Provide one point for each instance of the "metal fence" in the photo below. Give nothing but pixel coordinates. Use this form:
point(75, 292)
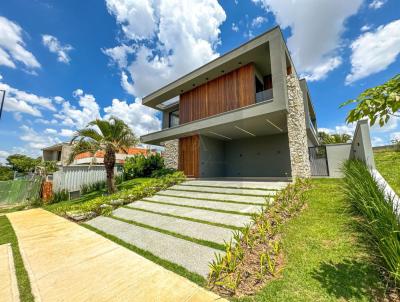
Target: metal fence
point(71, 178)
point(19, 191)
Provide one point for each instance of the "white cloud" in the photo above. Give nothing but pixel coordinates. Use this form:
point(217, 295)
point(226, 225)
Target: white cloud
point(379, 135)
point(24, 102)
point(235, 28)
point(137, 18)
point(4, 154)
point(320, 72)
point(36, 140)
point(141, 119)
point(66, 133)
point(50, 131)
point(58, 99)
point(77, 92)
point(45, 122)
point(12, 46)
point(376, 4)
point(377, 141)
point(119, 54)
point(71, 116)
point(316, 27)
point(395, 136)
point(366, 27)
point(374, 51)
point(54, 46)
point(258, 21)
point(176, 37)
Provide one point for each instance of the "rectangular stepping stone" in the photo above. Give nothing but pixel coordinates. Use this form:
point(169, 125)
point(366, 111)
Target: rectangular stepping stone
point(184, 227)
point(8, 280)
point(219, 205)
point(213, 196)
point(194, 257)
point(205, 215)
point(233, 191)
point(274, 185)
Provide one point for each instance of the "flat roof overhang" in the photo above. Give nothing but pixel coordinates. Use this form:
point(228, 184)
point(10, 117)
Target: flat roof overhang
point(251, 121)
point(255, 51)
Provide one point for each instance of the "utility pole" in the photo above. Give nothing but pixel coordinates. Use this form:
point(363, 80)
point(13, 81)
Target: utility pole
point(2, 101)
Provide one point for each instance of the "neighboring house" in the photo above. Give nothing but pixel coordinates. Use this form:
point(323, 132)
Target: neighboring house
point(58, 152)
point(98, 158)
point(61, 152)
point(244, 114)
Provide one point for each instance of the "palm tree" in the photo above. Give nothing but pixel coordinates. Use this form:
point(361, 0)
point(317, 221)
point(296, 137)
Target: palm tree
point(109, 136)
point(335, 138)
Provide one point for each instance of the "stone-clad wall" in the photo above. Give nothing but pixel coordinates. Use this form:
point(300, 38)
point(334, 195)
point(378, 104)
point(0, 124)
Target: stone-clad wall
point(171, 153)
point(297, 131)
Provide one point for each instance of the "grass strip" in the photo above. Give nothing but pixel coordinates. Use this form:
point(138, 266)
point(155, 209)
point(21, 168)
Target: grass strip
point(211, 244)
point(7, 235)
point(196, 207)
point(222, 193)
point(326, 255)
point(187, 218)
point(222, 187)
point(146, 254)
point(209, 199)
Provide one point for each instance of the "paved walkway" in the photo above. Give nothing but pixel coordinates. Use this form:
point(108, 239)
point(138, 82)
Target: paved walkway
point(8, 280)
point(188, 223)
point(67, 262)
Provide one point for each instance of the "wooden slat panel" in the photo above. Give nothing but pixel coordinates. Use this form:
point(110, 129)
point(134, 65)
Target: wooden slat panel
point(227, 92)
point(189, 155)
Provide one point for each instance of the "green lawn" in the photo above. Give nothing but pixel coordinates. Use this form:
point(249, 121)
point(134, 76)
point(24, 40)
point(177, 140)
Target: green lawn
point(129, 184)
point(388, 164)
point(7, 235)
point(325, 259)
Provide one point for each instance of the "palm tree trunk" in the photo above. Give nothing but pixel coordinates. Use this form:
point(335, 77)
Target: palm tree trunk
point(109, 163)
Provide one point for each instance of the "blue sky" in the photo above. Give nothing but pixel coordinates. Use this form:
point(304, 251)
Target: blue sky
point(64, 63)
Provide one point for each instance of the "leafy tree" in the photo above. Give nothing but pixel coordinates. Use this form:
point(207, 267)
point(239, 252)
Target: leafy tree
point(22, 163)
point(47, 167)
point(335, 138)
point(6, 173)
point(110, 136)
point(378, 103)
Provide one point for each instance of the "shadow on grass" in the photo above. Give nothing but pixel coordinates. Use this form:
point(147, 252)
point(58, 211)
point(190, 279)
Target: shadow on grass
point(348, 279)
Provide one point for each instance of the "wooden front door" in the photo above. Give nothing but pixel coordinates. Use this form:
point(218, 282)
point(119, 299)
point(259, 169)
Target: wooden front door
point(189, 155)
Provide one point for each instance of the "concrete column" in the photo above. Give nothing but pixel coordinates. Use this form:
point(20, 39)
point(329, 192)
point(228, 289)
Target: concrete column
point(171, 153)
point(297, 132)
point(278, 68)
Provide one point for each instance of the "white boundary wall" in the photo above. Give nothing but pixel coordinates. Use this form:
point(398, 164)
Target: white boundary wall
point(71, 178)
point(390, 194)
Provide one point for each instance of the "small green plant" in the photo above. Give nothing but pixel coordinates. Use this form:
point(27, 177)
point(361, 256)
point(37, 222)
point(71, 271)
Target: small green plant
point(61, 195)
point(258, 239)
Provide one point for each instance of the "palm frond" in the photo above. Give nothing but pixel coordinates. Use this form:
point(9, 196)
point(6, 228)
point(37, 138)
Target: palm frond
point(104, 127)
point(83, 146)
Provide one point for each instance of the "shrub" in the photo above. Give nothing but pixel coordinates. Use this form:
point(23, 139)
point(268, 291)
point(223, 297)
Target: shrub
point(119, 179)
point(142, 166)
point(95, 186)
point(377, 213)
point(162, 172)
point(144, 190)
point(61, 195)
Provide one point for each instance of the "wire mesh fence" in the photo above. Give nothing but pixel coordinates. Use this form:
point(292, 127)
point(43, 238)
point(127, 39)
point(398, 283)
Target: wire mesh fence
point(19, 191)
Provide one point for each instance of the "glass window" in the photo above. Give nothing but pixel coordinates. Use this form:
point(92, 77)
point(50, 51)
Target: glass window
point(174, 118)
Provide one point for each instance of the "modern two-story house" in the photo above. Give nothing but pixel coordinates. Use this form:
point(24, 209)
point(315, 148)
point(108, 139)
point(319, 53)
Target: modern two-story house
point(245, 114)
